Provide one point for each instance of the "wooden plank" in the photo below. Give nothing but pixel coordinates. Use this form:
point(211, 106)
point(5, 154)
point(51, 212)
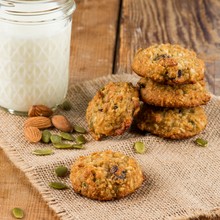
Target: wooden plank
point(193, 24)
point(93, 39)
point(16, 191)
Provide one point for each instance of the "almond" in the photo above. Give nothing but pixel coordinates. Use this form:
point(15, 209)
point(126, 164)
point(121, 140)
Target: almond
point(39, 122)
point(32, 134)
point(39, 110)
point(62, 123)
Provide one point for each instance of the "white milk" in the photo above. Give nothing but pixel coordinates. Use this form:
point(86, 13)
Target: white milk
point(34, 63)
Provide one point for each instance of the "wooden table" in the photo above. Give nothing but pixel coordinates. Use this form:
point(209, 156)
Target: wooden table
point(105, 37)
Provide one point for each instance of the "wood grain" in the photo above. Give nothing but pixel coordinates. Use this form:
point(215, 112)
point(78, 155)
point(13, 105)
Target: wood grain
point(93, 39)
point(194, 24)
point(17, 191)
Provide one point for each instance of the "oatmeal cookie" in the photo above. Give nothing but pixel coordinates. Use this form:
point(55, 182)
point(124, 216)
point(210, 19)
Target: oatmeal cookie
point(105, 175)
point(112, 109)
point(179, 96)
point(169, 64)
point(172, 123)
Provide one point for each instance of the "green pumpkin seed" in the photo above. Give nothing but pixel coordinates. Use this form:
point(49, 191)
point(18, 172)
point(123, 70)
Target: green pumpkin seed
point(67, 146)
point(46, 136)
point(61, 171)
point(58, 185)
point(66, 105)
point(55, 139)
point(139, 147)
point(78, 146)
point(18, 213)
point(42, 152)
point(79, 129)
point(81, 139)
point(201, 142)
point(84, 184)
point(63, 146)
point(66, 136)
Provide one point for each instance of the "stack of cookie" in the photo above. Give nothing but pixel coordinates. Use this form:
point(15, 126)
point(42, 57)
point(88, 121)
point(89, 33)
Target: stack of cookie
point(173, 89)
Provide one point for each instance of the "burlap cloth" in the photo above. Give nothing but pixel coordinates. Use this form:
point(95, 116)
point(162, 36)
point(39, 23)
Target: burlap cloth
point(182, 179)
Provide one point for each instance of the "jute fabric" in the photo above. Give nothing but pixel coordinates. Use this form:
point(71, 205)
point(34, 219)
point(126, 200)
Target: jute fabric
point(181, 179)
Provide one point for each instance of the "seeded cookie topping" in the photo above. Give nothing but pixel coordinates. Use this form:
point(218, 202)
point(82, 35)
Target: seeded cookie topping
point(112, 109)
point(172, 123)
point(180, 96)
point(106, 175)
point(170, 64)
point(162, 56)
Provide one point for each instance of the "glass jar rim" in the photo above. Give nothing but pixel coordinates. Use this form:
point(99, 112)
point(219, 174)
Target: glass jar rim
point(35, 11)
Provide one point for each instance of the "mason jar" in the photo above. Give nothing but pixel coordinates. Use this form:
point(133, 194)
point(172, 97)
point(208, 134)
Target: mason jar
point(34, 52)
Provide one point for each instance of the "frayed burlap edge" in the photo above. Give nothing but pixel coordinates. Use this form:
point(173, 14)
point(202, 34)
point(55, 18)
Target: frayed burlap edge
point(213, 214)
point(29, 171)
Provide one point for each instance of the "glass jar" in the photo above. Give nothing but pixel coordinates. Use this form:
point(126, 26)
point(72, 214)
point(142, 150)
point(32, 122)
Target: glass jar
point(34, 52)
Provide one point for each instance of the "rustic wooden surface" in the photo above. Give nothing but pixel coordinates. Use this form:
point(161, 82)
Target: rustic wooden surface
point(194, 24)
point(106, 35)
point(94, 37)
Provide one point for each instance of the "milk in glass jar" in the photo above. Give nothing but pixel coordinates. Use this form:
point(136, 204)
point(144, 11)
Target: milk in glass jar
point(34, 52)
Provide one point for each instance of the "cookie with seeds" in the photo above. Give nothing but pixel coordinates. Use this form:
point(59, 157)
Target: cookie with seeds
point(112, 109)
point(173, 123)
point(169, 64)
point(179, 95)
point(106, 175)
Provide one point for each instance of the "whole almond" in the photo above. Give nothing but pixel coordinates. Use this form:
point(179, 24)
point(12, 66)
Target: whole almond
point(39, 122)
point(32, 134)
point(39, 110)
point(62, 123)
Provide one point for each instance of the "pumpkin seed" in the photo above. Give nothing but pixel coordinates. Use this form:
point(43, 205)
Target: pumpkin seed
point(55, 139)
point(81, 139)
point(46, 136)
point(63, 146)
point(58, 185)
point(42, 152)
point(61, 171)
point(201, 142)
point(78, 146)
point(66, 105)
point(139, 147)
point(18, 213)
point(66, 136)
point(67, 146)
point(84, 184)
point(79, 129)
